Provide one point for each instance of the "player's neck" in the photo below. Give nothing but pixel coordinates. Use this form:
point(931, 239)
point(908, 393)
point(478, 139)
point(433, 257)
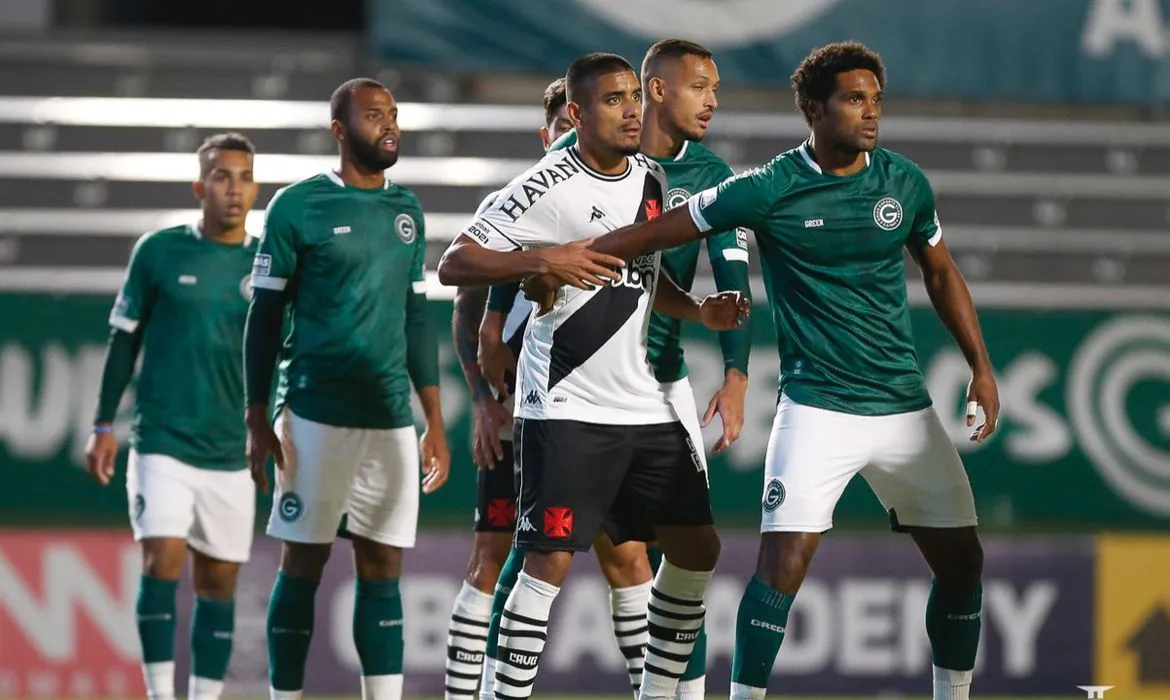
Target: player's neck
point(604, 163)
point(658, 139)
point(355, 175)
point(212, 231)
point(836, 161)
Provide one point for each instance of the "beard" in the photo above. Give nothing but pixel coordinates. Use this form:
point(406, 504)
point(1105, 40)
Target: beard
point(368, 155)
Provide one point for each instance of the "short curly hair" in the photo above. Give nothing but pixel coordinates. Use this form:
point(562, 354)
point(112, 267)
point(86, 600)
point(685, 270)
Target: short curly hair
point(816, 77)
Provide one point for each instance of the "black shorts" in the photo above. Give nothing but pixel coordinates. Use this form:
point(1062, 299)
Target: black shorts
point(577, 479)
point(495, 495)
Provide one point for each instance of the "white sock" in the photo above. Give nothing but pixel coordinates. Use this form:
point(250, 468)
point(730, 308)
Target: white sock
point(739, 691)
point(523, 633)
point(675, 616)
point(952, 685)
point(466, 640)
point(382, 687)
point(160, 680)
point(487, 681)
point(275, 694)
point(628, 609)
point(694, 689)
point(204, 688)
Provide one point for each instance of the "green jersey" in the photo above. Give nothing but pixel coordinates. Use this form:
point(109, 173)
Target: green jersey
point(349, 261)
point(831, 249)
point(188, 296)
point(694, 169)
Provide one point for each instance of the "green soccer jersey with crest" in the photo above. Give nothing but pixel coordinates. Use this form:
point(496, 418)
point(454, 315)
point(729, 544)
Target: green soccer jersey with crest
point(188, 296)
point(694, 169)
point(349, 262)
point(831, 249)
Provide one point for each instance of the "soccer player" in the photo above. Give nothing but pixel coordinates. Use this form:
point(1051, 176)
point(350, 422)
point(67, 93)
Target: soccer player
point(831, 219)
point(679, 81)
point(598, 445)
point(345, 251)
point(183, 305)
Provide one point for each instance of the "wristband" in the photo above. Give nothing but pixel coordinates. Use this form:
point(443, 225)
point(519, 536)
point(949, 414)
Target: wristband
point(103, 428)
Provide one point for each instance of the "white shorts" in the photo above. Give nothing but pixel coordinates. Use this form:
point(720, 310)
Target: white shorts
point(682, 399)
point(908, 460)
point(370, 476)
point(213, 510)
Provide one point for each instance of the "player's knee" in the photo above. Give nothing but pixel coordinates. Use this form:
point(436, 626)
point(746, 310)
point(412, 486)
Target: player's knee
point(691, 548)
point(784, 559)
point(216, 581)
point(163, 558)
point(550, 567)
point(374, 560)
point(624, 565)
point(963, 563)
point(305, 561)
point(488, 555)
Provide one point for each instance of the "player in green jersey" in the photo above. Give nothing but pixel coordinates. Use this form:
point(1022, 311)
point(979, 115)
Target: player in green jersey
point(344, 252)
point(680, 82)
point(183, 305)
point(832, 218)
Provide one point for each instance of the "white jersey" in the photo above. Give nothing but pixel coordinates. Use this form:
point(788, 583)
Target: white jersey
point(585, 360)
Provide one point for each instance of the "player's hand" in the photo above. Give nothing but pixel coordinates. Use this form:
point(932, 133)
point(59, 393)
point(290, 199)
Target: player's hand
point(725, 311)
point(496, 362)
point(728, 403)
point(101, 451)
point(262, 442)
point(436, 459)
point(541, 290)
point(486, 448)
point(576, 265)
point(982, 393)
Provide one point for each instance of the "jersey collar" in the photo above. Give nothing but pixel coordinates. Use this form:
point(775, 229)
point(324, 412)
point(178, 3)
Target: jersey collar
point(575, 154)
point(336, 178)
point(811, 162)
point(196, 229)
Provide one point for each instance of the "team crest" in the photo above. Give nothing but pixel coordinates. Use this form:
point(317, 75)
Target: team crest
point(773, 495)
point(887, 214)
point(404, 225)
point(675, 197)
point(290, 507)
point(246, 287)
point(139, 506)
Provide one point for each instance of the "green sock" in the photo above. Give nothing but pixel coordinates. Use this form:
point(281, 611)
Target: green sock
point(953, 624)
point(509, 573)
point(212, 626)
point(697, 666)
point(759, 631)
point(377, 626)
point(290, 629)
point(156, 619)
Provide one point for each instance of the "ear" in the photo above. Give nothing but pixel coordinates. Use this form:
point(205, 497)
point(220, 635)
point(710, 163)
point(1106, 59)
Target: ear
point(574, 112)
point(545, 137)
point(816, 111)
point(656, 89)
point(197, 189)
point(338, 130)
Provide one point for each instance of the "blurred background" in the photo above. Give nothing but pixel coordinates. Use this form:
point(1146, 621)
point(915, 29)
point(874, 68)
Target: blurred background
point(1041, 125)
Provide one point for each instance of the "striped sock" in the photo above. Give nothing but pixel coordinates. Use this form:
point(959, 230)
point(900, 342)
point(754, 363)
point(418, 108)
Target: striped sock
point(523, 633)
point(629, 627)
point(676, 614)
point(466, 640)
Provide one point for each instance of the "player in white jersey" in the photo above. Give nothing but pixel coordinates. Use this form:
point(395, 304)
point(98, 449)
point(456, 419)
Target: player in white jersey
point(491, 570)
point(598, 446)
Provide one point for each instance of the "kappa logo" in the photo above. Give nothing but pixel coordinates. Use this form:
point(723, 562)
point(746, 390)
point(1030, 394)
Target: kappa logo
point(532, 399)
point(405, 226)
point(526, 525)
point(887, 214)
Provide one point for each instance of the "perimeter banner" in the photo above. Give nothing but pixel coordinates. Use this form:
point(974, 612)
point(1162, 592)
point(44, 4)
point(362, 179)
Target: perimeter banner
point(67, 619)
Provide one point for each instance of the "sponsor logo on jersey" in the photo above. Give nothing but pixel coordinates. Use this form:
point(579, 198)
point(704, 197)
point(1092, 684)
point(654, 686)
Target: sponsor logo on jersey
point(558, 522)
point(814, 223)
point(887, 214)
point(596, 214)
point(262, 265)
point(290, 508)
point(338, 230)
point(246, 287)
point(188, 279)
point(773, 495)
point(741, 237)
point(405, 226)
point(478, 231)
point(675, 197)
point(639, 273)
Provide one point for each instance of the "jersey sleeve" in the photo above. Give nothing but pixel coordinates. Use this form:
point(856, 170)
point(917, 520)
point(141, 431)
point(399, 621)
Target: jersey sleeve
point(731, 244)
point(136, 297)
point(276, 257)
point(926, 229)
point(743, 200)
point(511, 223)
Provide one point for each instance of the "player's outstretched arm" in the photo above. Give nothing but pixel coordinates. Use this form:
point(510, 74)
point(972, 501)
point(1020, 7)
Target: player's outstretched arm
point(952, 302)
point(670, 230)
point(718, 312)
point(467, 263)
